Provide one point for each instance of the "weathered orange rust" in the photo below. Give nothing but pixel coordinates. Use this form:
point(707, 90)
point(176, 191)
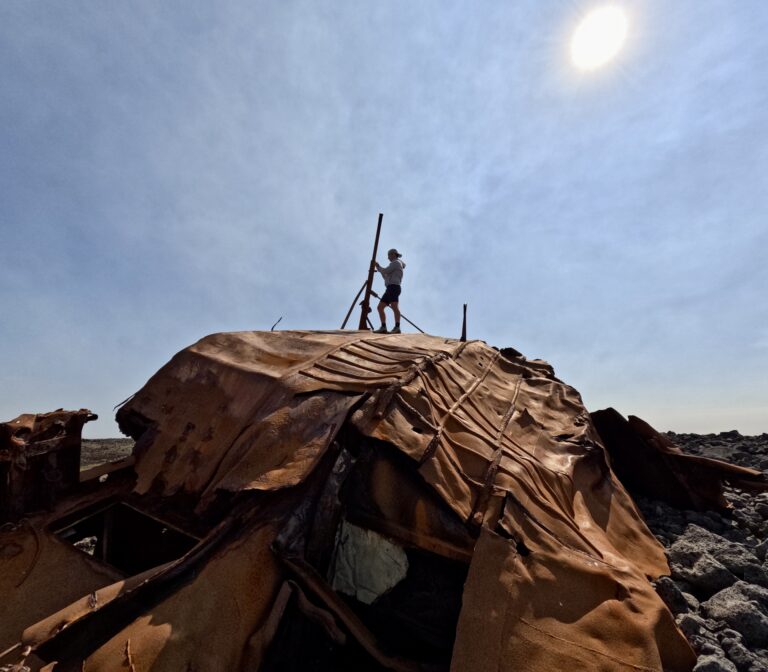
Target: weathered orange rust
point(649, 463)
point(481, 465)
point(39, 459)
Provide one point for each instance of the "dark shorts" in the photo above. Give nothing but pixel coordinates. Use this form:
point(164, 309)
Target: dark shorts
point(392, 294)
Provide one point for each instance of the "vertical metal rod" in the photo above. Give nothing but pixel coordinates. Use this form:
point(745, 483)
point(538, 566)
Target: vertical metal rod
point(366, 305)
point(464, 325)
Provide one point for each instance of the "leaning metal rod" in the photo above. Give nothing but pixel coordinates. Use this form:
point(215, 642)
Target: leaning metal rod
point(366, 305)
point(354, 302)
point(401, 315)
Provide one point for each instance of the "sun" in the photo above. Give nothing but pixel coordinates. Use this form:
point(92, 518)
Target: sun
point(598, 38)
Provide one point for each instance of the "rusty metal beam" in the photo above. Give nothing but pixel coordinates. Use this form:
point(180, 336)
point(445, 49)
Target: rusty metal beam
point(365, 307)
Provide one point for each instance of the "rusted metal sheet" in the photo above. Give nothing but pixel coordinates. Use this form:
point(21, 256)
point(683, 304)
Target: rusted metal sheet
point(551, 608)
point(481, 473)
point(650, 464)
point(39, 460)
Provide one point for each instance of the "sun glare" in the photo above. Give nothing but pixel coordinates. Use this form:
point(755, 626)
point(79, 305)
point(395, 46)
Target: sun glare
point(599, 37)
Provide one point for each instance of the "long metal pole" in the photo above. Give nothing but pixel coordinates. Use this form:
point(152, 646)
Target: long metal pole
point(366, 304)
point(401, 315)
point(354, 303)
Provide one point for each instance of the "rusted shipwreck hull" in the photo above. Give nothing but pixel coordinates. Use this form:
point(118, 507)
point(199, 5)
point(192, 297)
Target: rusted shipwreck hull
point(343, 501)
point(39, 460)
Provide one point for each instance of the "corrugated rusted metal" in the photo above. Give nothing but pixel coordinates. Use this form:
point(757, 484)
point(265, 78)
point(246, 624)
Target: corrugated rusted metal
point(480, 464)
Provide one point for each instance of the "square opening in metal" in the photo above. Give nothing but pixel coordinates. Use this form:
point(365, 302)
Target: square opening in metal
point(124, 537)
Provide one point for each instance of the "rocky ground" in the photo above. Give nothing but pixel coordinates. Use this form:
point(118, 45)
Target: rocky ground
point(98, 451)
point(718, 589)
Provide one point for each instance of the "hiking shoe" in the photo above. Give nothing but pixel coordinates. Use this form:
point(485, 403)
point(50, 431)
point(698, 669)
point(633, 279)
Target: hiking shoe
point(381, 330)
point(396, 330)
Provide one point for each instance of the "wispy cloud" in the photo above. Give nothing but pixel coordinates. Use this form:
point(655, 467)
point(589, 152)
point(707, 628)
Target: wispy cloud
point(172, 170)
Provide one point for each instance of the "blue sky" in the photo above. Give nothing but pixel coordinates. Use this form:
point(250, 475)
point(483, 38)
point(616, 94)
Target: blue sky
point(170, 170)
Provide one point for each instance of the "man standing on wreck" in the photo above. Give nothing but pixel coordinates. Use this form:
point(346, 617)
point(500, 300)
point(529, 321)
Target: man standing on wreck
point(393, 277)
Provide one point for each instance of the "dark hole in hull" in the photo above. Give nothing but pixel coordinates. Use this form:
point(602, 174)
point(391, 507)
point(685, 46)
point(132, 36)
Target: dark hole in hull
point(417, 618)
point(124, 537)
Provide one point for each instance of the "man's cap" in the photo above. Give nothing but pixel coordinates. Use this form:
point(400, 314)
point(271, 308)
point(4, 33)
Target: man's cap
point(395, 252)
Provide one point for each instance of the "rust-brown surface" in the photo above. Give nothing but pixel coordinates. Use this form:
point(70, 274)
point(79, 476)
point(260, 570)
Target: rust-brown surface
point(484, 470)
point(648, 463)
point(39, 459)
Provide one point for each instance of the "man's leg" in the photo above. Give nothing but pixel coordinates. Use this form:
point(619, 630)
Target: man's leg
point(395, 306)
point(382, 316)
